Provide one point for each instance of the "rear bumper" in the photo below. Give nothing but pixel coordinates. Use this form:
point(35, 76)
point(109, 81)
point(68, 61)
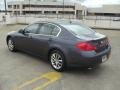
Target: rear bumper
point(88, 58)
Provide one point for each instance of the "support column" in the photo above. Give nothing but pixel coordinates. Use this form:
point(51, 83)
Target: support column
point(12, 9)
point(42, 12)
point(21, 8)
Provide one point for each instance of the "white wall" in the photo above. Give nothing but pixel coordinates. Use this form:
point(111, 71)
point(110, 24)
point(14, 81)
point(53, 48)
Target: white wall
point(106, 9)
point(103, 24)
point(102, 18)
point(92, 23)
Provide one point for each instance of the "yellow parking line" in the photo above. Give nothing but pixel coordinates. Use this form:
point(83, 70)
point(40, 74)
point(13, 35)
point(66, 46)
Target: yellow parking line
point(51, 76)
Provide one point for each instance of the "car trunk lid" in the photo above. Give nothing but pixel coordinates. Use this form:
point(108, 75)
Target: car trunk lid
point(96, 39)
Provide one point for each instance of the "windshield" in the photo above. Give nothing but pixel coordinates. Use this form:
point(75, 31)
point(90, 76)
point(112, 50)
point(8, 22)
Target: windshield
point(79, 29)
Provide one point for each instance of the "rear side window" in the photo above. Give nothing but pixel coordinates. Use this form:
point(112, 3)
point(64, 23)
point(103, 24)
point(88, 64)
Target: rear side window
point(49, 29)
point(55, 31)
point(78, 29)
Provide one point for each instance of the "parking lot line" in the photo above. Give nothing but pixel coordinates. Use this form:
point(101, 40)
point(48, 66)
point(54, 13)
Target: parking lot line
point(51, 76)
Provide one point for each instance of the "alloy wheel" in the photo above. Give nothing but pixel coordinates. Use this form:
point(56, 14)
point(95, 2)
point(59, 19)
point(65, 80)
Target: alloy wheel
point(10, 45)
point(56, 61)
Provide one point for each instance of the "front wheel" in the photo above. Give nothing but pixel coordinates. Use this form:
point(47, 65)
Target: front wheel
point(11, 45)
point(57, 60)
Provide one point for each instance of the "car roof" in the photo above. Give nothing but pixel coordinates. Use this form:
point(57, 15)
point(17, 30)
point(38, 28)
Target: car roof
point(61, 22)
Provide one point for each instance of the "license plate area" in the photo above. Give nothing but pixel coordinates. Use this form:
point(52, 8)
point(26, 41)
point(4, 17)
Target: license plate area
point(104, 58)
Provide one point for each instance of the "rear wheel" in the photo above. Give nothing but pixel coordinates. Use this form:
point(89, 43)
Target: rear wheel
point(11, 45)
point(57, 60)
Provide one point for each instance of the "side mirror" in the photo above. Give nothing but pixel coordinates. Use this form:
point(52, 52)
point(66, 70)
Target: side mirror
point(21, 31)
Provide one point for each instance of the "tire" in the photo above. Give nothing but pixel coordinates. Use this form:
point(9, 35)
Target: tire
point(11, 45)
point(57, 60)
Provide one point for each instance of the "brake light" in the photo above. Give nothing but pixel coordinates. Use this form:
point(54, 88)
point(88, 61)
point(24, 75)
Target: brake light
point(107, 40)
point(86, 46)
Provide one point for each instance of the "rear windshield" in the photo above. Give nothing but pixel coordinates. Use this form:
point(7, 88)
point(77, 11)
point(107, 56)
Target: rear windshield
point(79, 29)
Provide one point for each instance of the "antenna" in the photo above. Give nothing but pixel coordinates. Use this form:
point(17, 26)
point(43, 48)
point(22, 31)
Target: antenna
point(70, 21)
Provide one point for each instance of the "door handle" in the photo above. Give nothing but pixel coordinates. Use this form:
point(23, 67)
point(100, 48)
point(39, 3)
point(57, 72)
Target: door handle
point(50, 39)
point(29, 36)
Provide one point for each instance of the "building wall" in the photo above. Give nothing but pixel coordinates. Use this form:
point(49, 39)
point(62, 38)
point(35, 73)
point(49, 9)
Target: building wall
point(114, 9)
point(70, 10)
point(37, 7)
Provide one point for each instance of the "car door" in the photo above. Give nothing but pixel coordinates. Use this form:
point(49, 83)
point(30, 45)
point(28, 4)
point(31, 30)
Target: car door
point(44, 37)
point(24, 41)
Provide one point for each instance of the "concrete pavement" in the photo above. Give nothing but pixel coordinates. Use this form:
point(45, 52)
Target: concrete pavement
point(18, 68)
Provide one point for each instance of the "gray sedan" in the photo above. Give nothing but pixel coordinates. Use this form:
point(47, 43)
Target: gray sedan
point(63, 43)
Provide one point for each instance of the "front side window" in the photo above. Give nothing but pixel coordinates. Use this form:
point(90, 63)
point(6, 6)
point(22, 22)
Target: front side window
point(32, 28)
point(48, 29)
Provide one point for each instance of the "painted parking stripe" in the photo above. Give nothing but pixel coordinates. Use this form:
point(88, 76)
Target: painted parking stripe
point(51, 76)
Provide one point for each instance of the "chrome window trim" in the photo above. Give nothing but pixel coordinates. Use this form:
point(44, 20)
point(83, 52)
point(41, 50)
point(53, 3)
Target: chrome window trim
point(44, 34)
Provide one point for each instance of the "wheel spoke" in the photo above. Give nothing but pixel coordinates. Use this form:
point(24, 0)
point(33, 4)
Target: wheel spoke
point(60, 60)
point(56, 60)
point(53, 58)
point(59, 65)
point(10, 45)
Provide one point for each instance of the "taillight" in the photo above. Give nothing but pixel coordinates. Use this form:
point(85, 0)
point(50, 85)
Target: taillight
point(86, 46)
point(107, 41)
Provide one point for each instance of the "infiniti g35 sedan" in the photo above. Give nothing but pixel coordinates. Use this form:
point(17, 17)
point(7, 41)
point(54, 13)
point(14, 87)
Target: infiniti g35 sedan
point(63, 43)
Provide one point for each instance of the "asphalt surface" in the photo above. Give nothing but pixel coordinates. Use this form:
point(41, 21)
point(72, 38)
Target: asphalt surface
point(21, 68)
